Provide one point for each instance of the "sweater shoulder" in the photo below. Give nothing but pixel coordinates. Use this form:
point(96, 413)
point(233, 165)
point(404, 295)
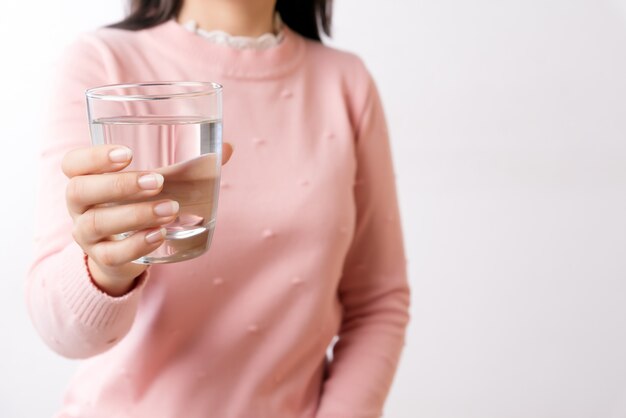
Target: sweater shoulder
point(346, 69)
point(338, 61)
point(105, 51)
point(111, 36)
point(107, 43)
point(94, 48)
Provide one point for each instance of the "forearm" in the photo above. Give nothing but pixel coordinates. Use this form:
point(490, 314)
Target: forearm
point(365, 358)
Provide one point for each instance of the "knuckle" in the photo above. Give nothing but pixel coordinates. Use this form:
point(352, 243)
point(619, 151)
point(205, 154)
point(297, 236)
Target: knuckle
point(122, 184)
point(65, 165)
point(73, 190)
point(83, 226)
point(79, 224)
point(76, 232)
point(141, 214)
point(94, 220)
point(105, 256)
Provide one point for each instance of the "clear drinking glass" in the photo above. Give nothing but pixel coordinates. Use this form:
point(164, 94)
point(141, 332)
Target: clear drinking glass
point(175, 129)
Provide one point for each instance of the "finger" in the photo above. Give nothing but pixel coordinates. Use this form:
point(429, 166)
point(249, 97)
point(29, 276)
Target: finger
point(117, 253)
point(98, 223)
point(227, 151)
point(96, 159)
point(85, 191)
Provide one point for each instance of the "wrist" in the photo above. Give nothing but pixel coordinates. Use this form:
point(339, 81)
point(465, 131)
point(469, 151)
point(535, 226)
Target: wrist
point(114, 286)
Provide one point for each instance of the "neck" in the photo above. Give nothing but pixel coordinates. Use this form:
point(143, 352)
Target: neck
point(250, 18)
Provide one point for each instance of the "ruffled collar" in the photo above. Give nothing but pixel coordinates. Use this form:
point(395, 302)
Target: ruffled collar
point(265, 41)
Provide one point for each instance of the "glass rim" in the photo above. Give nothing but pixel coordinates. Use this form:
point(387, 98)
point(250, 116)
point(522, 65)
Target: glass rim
point(206, 88)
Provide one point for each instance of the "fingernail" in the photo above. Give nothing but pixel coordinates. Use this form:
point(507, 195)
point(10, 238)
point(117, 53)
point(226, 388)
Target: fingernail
point(166, 208)
point(150, 181)
point(120, 155)
point(156, 236)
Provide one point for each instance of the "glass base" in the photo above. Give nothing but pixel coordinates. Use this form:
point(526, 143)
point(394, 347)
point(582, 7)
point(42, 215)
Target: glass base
point(176, 248)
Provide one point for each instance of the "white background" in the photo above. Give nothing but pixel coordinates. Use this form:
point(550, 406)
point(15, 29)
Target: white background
point(509, 127)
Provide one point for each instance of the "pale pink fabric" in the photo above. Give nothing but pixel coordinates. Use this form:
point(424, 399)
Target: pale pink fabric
point(308, 245)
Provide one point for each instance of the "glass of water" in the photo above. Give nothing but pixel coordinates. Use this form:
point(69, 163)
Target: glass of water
point(175, 129)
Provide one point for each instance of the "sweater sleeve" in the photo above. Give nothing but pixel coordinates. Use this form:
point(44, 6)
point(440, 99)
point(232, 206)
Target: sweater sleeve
point(373, 290)
point(73, 316)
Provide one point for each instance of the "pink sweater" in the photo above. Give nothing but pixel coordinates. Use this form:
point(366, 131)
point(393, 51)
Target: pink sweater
point(308, 245)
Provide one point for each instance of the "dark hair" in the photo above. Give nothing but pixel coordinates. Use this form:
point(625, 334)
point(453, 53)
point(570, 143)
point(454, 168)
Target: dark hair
point(306, 17)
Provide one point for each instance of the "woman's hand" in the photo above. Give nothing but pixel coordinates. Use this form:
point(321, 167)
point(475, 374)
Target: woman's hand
point(94, 183)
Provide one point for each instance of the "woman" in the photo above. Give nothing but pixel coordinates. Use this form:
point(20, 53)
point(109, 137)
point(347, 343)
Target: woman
point(308, 245)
